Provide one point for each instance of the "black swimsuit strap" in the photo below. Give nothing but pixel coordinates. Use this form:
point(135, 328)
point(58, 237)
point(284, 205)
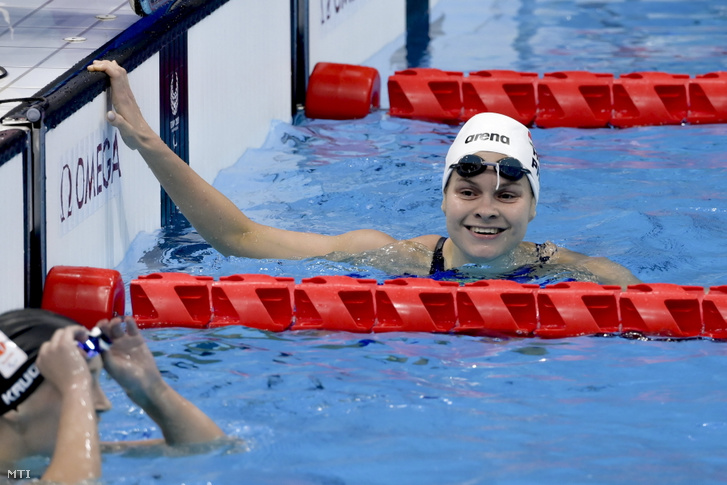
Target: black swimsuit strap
point(438, 257)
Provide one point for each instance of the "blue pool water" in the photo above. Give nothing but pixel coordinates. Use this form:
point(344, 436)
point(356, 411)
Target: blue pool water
point(340, 408)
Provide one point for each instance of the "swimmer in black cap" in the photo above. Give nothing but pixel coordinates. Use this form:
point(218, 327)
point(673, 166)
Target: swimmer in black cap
point(490, 190)
point(51, 396)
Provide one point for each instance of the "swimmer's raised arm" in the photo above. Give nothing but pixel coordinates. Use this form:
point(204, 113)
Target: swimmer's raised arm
point(76, 456)
point(130, 363)
point(213, 215)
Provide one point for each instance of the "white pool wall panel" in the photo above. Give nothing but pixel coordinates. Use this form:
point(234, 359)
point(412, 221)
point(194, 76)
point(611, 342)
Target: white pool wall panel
point(12, 267)
point(94, 226)
point(350, 32)
point(239, 80)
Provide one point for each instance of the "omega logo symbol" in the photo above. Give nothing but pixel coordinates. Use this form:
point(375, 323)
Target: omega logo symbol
point(174, 94)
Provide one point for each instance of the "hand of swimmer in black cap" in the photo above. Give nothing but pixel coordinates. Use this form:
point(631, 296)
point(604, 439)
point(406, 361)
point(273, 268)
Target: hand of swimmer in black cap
point(62, 362)
point(129, 361)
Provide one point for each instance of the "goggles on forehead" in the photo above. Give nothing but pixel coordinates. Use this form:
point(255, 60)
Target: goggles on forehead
point(508, 167)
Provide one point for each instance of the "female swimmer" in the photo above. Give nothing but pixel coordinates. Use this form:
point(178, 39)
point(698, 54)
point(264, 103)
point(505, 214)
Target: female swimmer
point(490, 188)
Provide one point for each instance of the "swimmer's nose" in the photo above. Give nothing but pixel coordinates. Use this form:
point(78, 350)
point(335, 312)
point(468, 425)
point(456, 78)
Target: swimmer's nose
point(486, 208)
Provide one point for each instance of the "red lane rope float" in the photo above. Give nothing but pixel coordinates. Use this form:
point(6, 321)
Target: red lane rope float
point(342, 91)
point(171, 299)
point(581, 99)
point(86, 295)
point(258, 301)
point(426, 93)
point(488, 307)
point(577, 99)
point(506, 92)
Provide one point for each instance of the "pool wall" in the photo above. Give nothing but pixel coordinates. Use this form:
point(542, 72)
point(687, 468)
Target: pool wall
point(211, 75)
point(14, 159)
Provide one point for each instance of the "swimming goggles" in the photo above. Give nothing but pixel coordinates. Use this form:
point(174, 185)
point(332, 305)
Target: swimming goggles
point(96, 343)
point(508, 167)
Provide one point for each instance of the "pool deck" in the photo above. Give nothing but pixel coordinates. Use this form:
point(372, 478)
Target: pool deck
point(41, 39)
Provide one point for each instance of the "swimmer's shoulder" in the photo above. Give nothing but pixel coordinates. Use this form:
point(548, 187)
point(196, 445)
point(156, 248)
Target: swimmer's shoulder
point(561, 255)
point(608, 272)
point(399, 256)
point(429, 241)
point(550, 253)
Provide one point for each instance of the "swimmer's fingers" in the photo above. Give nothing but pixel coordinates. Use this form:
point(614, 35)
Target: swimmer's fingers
point(126, 116)
point(117, 327)
point(115, 119)
point(61, 361)
point(129, 360)
point(66, 337)
point(111, 68)
point(126, 339)
point(128, 133)
point(100, 65)
point(131, 328)
point(76, 333)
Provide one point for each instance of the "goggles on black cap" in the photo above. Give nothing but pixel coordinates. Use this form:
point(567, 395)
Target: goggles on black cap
point(96, 343)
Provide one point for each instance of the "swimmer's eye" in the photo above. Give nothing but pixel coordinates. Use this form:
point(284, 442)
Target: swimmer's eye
point(466, 194)
point(508, 196)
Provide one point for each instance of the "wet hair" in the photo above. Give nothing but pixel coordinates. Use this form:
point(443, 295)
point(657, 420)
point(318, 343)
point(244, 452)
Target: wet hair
point(22, 332)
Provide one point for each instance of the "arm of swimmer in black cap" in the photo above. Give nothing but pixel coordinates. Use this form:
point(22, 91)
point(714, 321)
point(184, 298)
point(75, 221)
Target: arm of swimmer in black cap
point(76, 454)
point(51, 394)
point(213, 215)
point(130, 363)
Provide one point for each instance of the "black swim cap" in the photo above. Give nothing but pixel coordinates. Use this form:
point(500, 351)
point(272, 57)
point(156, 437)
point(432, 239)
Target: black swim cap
point(22, 332)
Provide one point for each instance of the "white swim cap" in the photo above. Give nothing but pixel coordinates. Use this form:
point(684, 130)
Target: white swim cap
point(494, 132)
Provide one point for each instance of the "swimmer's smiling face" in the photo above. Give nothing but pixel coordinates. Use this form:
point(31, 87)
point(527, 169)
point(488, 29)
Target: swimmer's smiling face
point(485, 222)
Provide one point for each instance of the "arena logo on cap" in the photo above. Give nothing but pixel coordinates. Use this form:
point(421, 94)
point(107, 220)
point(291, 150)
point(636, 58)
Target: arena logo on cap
point(488, 137)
